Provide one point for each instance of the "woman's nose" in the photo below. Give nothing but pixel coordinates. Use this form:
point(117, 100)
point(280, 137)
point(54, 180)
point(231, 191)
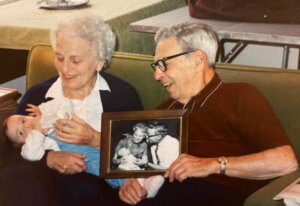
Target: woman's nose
point(65, 67)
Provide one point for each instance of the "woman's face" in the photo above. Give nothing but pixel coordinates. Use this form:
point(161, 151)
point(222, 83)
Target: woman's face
point(138, 135)
point(76, 63)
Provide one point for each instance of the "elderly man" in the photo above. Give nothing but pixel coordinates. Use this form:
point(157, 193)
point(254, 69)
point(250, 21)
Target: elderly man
point(235, 142)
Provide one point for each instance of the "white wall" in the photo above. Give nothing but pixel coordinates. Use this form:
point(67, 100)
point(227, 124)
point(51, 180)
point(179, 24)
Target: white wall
point(268, 56)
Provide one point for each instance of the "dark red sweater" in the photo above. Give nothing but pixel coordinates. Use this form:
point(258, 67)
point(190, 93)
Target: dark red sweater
point(231, 119)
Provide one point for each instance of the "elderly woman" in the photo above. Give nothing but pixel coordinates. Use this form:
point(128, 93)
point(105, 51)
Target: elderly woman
point(83, 47)
point(136, 144)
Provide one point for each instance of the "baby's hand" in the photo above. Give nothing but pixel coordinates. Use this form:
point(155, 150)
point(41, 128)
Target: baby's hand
point(33, 110)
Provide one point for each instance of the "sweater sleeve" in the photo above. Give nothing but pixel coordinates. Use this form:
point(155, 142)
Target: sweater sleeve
point(263, 129)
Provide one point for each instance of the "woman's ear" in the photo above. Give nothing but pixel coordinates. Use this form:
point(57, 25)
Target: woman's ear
point(100, 65)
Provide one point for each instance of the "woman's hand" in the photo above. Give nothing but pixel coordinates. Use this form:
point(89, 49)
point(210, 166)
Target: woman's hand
point(66, 162)
point(140, 162)
point(33, 110)
point(76, 131)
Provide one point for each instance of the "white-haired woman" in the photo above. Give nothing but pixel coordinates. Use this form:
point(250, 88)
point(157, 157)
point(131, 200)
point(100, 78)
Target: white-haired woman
point(83, 47)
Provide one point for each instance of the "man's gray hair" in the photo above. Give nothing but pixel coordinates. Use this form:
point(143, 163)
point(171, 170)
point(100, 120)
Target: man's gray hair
point(91, 28)
point(192, 36)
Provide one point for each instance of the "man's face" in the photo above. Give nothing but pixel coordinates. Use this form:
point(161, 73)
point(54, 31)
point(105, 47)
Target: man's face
point(153, 138)
point(180, 76)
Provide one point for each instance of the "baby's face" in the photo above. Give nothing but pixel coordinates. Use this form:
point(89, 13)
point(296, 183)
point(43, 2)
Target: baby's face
point(18, 127)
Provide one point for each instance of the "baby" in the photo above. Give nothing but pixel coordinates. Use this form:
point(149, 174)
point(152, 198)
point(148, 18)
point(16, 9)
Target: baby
point(128, 160)
point(28, 133)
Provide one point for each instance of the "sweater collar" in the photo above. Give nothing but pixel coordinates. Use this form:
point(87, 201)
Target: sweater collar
point(201, 97)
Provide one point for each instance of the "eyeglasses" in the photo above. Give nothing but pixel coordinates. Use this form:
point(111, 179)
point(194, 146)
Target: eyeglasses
point(154, 135)
point(161, 63)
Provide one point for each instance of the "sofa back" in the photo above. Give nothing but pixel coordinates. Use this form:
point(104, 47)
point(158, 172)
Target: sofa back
point(280, 87)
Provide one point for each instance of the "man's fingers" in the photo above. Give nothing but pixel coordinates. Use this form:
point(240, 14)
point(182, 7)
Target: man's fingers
point(132, 192)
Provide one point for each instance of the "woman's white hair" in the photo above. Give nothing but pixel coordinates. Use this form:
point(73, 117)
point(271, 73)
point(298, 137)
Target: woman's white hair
point(91, 28)
point(192, 36)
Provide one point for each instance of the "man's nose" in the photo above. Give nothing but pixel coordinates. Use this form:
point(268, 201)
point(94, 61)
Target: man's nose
point(158, 74)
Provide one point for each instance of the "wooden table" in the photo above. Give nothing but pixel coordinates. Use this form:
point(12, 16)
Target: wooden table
point(23, 24)
point(285, 35)
point(8, 102)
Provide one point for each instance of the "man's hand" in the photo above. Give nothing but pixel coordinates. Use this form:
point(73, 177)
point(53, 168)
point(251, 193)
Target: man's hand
point(66, 162)
point(132, 192)
point(186, 166)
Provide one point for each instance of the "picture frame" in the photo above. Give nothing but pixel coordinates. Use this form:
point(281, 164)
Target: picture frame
point(123, 157)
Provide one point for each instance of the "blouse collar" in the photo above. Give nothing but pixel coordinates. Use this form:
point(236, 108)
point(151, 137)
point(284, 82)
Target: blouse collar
point(56, 91)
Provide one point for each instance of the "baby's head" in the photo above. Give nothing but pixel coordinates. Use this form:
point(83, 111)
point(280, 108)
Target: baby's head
point(16, 128)
point(123, 152)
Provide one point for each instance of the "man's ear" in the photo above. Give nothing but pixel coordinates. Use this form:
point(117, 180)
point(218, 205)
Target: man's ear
point(200, 58)
point(100, 65)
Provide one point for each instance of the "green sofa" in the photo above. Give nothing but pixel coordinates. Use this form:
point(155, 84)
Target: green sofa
point(280, 87)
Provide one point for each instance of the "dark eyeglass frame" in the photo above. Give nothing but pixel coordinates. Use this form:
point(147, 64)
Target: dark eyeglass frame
point(163, 67)
point(149, 136)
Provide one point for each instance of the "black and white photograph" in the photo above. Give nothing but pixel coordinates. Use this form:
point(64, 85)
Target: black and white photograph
point(141, 143)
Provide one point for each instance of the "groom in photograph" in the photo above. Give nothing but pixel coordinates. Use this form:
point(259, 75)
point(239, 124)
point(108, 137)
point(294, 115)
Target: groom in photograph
point(164, 149)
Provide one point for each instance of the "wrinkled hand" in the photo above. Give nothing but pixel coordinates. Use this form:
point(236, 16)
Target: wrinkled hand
point(186, 166)
point(139, 161)
point(33, 110)
point(66, 162)
point(132, 192)
point(76, 131)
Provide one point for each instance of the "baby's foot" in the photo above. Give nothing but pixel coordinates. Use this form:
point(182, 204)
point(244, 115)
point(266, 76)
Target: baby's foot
point(152, 184)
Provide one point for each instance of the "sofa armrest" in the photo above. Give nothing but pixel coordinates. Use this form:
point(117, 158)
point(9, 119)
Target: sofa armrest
point(264, 196)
